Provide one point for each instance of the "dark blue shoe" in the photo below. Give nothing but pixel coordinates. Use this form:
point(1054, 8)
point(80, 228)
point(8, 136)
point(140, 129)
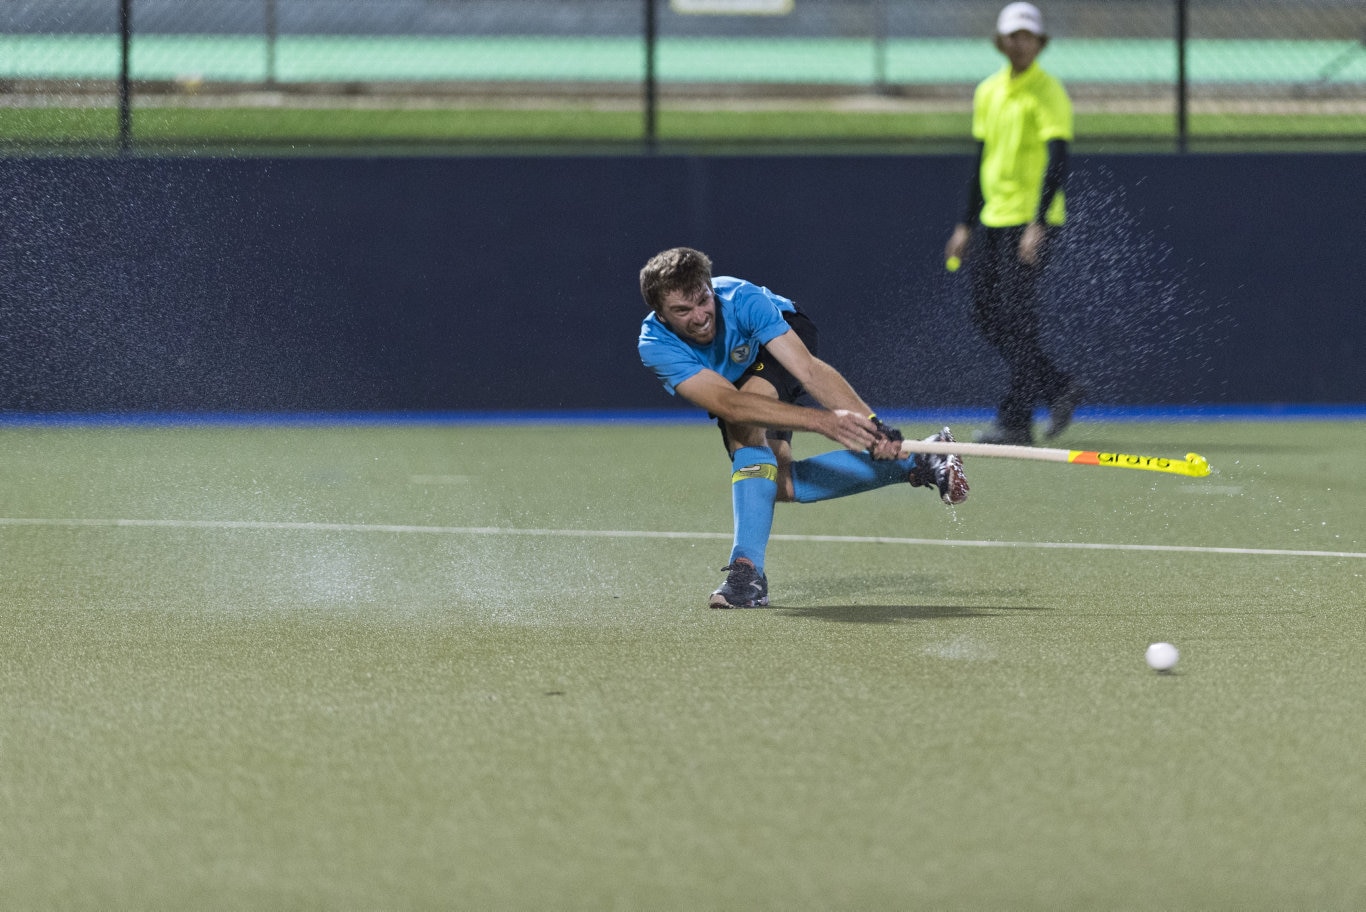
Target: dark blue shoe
point(745, 587)
point(1063, 408)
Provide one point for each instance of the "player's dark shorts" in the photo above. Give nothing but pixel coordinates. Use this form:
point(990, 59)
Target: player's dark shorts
point(788, 387)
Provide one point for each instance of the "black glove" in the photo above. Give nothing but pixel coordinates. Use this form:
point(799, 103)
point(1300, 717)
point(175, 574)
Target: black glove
point(885, 431)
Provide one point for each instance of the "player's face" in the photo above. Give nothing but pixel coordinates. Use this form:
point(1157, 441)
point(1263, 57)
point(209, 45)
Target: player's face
point(1021, 48)
point(691, 314)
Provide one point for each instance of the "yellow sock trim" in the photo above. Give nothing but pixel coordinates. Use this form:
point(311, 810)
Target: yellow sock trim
point(755, 470)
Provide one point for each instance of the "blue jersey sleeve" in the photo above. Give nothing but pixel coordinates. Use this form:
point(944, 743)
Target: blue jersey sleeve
point(670, 358)
point(758, 312)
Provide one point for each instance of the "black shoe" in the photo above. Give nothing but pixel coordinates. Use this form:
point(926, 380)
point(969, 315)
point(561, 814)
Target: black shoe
point(745, 587)
point(932, 470)
point(999, 435)
point(1062, 408)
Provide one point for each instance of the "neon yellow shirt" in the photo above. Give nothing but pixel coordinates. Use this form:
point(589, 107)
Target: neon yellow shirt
point(1016, 118)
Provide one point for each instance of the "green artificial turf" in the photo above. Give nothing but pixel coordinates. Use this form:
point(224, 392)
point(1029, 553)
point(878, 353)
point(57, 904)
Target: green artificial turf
point(469, 667)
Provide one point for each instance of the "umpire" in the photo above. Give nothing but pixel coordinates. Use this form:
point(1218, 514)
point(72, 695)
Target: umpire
point(1022, 122)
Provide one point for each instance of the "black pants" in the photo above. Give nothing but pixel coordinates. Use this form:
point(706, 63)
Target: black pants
point(789, 387)
point(1005, 310)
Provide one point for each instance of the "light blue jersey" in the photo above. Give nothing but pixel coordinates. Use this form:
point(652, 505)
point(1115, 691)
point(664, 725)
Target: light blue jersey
point(747, 317)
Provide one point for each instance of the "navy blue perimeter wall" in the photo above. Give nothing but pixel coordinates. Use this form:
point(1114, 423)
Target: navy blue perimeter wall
point(511, 283)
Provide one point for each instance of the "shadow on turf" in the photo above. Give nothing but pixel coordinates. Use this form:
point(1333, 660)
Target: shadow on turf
point(891, 614)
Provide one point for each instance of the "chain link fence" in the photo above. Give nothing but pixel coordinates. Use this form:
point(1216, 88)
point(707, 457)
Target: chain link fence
point(887, 74)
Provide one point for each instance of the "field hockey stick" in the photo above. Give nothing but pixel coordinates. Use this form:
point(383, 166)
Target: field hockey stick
point(1194, 465)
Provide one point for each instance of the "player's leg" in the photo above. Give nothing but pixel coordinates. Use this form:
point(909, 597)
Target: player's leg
point(754, 491)
point(835, 474)
point(1035, 378)
point(838, 473)
point(1022, 346)
point(1057, 389)
point(998, 316)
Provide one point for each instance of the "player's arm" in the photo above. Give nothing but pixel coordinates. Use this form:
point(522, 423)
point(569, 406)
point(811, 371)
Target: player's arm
point(820, 379)
point(957, 246)
point(1054, 176)
point(831, 390)
point(709, 390)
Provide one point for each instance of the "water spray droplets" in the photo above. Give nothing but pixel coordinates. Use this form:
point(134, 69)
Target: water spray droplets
point(1120, 310)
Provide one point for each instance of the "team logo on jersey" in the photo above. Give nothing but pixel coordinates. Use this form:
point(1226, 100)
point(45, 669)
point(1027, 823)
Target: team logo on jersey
point(740, 354)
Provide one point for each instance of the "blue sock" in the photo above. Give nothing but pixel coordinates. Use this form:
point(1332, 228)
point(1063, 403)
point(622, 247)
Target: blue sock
point(753, 492)
point(840, 473)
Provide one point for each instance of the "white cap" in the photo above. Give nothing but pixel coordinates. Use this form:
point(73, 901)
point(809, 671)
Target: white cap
point(1020, 16)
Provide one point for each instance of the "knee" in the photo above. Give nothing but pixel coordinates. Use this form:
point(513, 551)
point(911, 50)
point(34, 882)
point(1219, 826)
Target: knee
point(785, 488)
point(741, 436)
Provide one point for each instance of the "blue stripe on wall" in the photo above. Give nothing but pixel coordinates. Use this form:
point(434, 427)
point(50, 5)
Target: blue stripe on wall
point(1262, 412)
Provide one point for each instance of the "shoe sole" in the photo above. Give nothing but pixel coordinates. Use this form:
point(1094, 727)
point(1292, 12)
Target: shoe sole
point(719, 601)
point(958, 488)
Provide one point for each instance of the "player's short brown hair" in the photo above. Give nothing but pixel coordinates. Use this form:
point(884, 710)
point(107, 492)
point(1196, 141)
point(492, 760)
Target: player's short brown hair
point(676, 269)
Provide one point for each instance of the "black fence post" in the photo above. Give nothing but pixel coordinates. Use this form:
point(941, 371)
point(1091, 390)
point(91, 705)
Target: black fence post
point(125, 83)
point(650, 86)
point(1182, 92)
point(880, 30)
point(272, 29)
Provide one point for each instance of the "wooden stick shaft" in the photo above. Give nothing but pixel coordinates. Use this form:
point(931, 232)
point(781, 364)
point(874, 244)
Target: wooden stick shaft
point(1006, 451)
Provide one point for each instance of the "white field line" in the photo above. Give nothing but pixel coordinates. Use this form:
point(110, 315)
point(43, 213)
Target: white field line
point(227, 524)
